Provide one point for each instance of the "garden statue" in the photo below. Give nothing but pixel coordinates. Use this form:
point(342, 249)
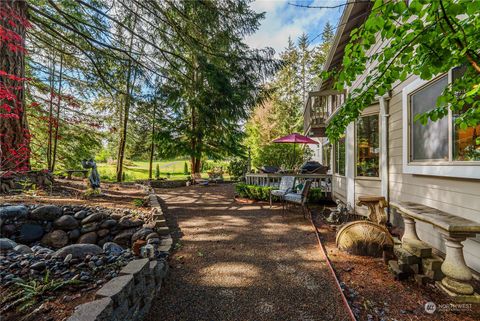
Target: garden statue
point(94, 177)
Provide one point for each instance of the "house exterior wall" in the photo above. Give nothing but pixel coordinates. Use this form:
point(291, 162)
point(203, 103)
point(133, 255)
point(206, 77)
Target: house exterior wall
point(455, 195)
point(339, 187)
point(458, 196)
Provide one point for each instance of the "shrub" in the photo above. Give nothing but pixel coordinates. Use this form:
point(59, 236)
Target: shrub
point(157, 171)
point(138, 202)
point(259, 193)
point(237, 167)
point(262, 193)
point(185, 168)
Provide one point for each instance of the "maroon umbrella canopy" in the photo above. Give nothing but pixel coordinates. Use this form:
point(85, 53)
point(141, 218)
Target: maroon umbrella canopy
point(296, 139)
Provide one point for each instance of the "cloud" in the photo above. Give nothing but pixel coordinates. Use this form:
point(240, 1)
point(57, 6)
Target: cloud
point(283, 20)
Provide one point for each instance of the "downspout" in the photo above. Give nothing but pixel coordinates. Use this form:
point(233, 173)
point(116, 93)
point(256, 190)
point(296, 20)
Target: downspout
point(384, 102)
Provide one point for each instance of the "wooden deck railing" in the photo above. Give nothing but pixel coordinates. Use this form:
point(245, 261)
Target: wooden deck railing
point(322, 181)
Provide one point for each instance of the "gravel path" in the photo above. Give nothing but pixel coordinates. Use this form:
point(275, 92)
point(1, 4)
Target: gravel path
point(242, 262)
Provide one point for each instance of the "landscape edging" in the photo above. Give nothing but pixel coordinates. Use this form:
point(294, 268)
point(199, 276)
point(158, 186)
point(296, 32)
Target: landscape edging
point(128, 297)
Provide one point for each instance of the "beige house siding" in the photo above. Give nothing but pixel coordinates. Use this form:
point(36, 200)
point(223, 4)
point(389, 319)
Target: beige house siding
point(366, 186)
point(458, 196)
point(453, 195)
point(339, 188)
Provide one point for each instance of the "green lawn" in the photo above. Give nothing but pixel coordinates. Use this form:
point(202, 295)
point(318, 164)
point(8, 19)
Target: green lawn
point(135, 170)
point(139, 170)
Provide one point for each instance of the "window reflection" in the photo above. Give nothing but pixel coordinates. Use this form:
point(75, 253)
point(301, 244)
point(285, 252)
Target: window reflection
point(368, 147)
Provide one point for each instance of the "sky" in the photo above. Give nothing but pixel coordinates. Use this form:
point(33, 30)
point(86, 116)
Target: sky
point(283, 20)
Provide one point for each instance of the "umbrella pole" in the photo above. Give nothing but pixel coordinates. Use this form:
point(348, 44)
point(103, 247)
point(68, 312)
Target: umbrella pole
point(294, 156)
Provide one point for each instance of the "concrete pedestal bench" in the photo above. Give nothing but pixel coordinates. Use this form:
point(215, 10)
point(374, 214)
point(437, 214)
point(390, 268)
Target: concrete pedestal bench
point(72, 171)
point(376, 205)
point(454, 231)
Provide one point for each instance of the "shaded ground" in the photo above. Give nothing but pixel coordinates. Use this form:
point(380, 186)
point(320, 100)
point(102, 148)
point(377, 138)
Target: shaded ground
point(237, 261)
point(373, 293)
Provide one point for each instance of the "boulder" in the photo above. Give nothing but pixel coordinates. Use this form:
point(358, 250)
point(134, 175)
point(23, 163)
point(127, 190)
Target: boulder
point(128, 222)
point(136, 247)
point(103, 232)
point(13, 211)
point(66, 222)
point(80, 215)
point(21, 248)
point(116, 216)
point(124, 237)
point(55, 239)
point(141, 234)
point(8, 230)
point(30, 233)
point(74, 234)
point(39, 266)
point(152, 235)
point(87, 228)
point(153, 241)
point(46, 213)
point(93, 218)
point(78, 251)
point(7, 245)
point(88, 238)
point(112, 248)
point(108, 223)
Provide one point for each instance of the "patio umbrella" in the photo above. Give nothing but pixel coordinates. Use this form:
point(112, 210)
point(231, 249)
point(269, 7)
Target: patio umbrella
point(295, 138)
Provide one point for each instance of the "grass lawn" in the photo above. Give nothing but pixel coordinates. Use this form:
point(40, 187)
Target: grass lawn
point(135, 170)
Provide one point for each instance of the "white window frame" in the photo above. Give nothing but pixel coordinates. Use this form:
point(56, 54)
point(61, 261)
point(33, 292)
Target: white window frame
point(335, 160)
point(450, 168)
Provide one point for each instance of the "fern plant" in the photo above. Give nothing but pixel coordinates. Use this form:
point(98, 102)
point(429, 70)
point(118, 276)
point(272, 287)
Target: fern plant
point(31, 292)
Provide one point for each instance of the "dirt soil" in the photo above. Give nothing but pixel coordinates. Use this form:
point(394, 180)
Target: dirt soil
point(375, 295)
point(240, 261)
point(72, 192)
point(62, 303)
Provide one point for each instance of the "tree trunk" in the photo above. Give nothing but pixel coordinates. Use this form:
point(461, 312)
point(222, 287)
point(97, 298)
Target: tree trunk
point(50, 113)
point(57, 121)
point(14, 134)
point(129, 91)
point(152, 145)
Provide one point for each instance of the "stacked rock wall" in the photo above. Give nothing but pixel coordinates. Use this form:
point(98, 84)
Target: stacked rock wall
point(126, 297)
point(129, 296)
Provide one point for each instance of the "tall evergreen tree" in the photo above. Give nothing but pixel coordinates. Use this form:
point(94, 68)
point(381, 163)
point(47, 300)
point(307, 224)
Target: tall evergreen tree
point(212, 88)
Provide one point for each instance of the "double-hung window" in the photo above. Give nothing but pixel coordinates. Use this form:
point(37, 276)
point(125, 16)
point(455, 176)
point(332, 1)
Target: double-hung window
point(340, 156)
point(368, 146)
point(438, 148)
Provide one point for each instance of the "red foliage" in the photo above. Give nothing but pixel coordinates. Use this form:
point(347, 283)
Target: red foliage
point(11, 108)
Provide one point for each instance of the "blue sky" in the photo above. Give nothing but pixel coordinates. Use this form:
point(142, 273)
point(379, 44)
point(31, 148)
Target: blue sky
point(283, 20)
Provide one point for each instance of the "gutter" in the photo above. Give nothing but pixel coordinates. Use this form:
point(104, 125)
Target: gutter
point(384, 102)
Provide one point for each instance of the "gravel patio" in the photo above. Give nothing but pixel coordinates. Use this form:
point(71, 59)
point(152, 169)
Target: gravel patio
point(237, 261)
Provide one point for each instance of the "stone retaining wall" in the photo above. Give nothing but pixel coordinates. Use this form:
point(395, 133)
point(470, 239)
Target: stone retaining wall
point(129, 296)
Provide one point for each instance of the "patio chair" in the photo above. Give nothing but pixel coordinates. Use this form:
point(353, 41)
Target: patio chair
point(197, 179)
point(286, 185)
point(300, 198)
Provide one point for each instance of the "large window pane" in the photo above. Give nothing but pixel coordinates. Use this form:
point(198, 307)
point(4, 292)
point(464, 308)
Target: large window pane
point(340, 156)
point(368, 146)
point(430, 141)
point(466, 142)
